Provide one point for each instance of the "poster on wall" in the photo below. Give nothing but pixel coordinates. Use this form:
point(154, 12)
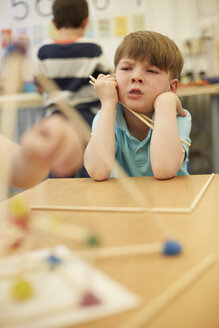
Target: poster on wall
point(6, 36)
point(104, 28)
point(107, 23)
point(121, 25)
point(21, 32)
point(38, 34)
point(138, 22)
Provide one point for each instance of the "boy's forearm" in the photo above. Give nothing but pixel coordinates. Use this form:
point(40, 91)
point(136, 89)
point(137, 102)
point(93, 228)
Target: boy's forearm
point(166, 150)
point(100, 153)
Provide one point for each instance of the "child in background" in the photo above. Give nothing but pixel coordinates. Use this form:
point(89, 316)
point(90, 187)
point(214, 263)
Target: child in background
point(52, 144)
point(71, 58)
point(147, 69)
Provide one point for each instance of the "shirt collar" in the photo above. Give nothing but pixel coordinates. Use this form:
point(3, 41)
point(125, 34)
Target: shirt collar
point(121, 123)
point(120, 119)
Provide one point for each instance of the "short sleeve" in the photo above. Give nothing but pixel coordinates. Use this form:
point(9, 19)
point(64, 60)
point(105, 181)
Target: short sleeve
point(95, 120)
point(184, 126)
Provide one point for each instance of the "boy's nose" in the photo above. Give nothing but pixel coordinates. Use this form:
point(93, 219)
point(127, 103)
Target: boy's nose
point(137, 79)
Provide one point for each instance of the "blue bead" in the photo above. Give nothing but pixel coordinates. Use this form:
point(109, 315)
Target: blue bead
point(53, 261)
point(171, 248)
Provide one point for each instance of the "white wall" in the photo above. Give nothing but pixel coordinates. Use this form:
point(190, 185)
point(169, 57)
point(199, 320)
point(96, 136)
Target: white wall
point(176, 18)
point(161, 15)
point(4, 14)
point(179, 19)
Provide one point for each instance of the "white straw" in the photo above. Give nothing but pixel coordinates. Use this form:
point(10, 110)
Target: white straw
point(200, 194)
point(87, 208)
point(122, 250)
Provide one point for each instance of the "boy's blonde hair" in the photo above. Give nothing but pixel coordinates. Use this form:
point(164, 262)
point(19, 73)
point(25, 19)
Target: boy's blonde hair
point(157, 49)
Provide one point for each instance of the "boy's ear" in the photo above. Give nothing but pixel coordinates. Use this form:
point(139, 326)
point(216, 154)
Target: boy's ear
point(84, 23)
point(174, 85)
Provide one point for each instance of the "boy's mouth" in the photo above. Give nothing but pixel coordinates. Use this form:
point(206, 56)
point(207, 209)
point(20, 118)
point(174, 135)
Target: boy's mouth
point(135, 92)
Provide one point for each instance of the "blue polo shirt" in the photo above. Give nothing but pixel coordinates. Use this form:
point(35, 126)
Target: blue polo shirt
point(134, 155)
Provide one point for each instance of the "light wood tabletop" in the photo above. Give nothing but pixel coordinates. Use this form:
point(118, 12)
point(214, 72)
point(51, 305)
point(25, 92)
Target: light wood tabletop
point(147, 275)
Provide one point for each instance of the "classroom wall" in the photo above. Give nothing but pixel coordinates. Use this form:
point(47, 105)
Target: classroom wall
point(110, 20)
point(175, 18)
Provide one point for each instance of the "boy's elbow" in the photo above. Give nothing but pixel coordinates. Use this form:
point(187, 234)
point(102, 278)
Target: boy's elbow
point(97, 173)
point(96, 169)
point(163, 176)
point(163, 173)
point(99, 177)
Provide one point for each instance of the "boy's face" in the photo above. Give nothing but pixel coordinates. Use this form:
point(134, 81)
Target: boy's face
point(139, 83)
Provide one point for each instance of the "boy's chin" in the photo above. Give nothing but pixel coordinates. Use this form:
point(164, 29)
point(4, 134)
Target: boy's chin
point(137, 107)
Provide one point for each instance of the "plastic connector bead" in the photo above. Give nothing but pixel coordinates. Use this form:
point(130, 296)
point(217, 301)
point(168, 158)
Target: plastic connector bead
point(171, 248)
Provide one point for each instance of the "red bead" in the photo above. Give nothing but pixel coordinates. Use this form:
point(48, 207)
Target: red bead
point(89, 299)
point(21, 222)
point(17, 243)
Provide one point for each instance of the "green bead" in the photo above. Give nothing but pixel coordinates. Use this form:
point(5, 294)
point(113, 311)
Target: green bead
point(21, 290)
point(92, 241)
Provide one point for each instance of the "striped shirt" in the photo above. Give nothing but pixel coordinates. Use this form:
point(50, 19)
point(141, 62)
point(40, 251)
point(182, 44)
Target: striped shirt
point(69, 65)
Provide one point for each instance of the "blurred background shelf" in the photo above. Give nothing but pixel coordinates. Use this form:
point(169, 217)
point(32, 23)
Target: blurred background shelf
point(203, 104)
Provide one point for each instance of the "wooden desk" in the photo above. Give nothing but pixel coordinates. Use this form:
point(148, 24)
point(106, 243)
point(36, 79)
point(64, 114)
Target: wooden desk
point(147, 275)
point(213, 91)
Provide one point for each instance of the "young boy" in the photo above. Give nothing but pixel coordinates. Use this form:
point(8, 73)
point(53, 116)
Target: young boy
point(147, 68)
point(52, 144)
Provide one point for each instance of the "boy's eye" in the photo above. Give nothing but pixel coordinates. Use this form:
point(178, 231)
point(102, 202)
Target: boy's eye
point(152, 71)
point(126, 68)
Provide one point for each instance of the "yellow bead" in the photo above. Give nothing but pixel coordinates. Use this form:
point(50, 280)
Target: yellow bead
point(19, 207)
point(55, 219)
point(21, 290)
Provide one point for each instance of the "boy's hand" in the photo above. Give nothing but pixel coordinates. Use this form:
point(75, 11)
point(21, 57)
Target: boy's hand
point(106, 89)
point(167, 97)
point(53, 143)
